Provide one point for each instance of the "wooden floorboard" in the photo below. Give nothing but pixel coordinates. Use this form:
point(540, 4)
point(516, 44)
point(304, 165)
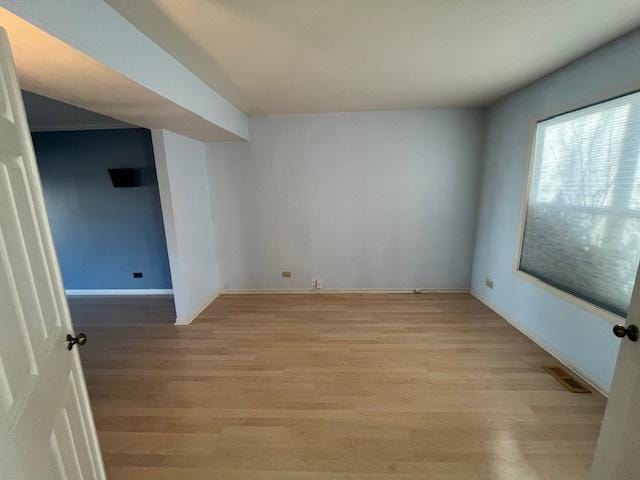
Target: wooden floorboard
point(328, 387)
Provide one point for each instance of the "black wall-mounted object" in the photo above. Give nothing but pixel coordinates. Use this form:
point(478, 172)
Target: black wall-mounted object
point(125, 177)
point(137, 274)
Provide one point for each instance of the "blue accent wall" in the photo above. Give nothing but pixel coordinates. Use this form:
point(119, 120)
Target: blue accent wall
point(103, 234)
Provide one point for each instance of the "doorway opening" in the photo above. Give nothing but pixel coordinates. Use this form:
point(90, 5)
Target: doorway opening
point(101, 193)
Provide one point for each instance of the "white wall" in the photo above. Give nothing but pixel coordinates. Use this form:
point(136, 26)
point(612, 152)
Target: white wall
point(361, 200)
point(579, 337)
point(186, 209)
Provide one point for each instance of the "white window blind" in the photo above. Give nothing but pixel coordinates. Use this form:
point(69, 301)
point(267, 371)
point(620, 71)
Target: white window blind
point(582, 227)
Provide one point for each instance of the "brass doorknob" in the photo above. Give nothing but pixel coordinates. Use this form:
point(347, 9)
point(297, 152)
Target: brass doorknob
point(631, 332)
point(81, 339)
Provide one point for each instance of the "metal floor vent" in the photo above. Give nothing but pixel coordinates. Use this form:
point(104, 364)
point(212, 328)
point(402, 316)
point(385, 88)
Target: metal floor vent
point(566, 379)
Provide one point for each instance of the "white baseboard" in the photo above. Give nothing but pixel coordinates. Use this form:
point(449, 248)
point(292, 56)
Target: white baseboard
point(551, 350)
point(191, 318)
point(289, 291)
point(123, 291)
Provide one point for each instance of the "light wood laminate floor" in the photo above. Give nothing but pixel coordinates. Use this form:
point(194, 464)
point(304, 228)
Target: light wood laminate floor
point(328, 387)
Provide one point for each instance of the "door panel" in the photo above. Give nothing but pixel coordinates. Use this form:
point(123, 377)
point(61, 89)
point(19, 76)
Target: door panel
point(46, 426)
point(34, 245)
point(16, 242)
point(74, 459)
point(17, 356)
point(616, 456)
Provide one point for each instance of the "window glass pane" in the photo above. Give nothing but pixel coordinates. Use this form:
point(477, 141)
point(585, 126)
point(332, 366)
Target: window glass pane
point(582, 229)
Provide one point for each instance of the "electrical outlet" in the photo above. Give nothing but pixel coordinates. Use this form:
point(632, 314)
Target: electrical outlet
point(137, 274)
point(314, 282)
point(318, 283)
point(489, 283)
point(286, 274)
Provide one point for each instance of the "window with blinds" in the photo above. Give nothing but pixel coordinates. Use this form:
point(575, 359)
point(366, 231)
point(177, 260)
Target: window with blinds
point(582, 225)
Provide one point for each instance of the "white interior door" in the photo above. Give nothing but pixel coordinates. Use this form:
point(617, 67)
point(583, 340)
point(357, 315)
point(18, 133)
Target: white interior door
point(46, 426)
point(618, 452)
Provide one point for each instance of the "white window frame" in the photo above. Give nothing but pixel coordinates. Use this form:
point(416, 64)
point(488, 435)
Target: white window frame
point(563, 295)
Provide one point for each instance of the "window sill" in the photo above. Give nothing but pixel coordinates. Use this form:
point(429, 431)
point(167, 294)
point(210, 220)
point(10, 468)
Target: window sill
point(572, 299)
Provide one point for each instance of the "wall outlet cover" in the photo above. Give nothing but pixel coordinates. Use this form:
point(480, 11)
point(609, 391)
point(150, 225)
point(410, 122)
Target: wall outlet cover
point(318, 283)
point(489, 283)
point(286, 274)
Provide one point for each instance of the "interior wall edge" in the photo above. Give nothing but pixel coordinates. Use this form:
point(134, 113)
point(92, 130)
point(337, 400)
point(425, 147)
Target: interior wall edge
point(166, 204)
point(185, 321)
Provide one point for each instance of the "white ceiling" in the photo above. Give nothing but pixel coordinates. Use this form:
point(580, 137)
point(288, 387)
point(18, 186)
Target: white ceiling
point(49, 67)
point(292, 56)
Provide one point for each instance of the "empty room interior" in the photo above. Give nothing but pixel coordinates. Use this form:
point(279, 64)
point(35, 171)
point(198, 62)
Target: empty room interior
point(347, 239)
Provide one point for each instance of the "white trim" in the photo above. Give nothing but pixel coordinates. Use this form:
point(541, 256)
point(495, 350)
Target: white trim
point(289, 291)
point(554, 352)
point(188, 321)
point(524, 205)
point(123, 291)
